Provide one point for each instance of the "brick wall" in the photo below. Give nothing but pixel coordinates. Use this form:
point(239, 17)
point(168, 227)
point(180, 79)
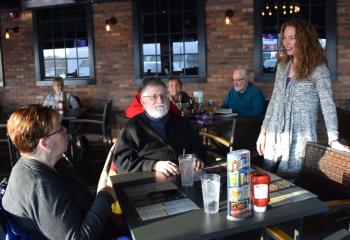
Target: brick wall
point(228, 46)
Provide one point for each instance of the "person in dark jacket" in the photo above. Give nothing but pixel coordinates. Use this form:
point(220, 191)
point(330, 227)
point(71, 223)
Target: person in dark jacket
point(44, 197)
point(153, 140)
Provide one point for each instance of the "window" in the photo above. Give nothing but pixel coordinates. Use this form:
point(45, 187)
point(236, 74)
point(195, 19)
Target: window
point(63, 45)
point(270, 15)
point(169, 39)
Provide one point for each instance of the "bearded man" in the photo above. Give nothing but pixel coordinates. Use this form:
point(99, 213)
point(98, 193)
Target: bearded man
point(153, 140)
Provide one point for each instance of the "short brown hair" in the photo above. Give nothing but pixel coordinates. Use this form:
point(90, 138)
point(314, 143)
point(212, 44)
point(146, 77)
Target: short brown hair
point(57, 80)
point(175, 78)
point(30, 123)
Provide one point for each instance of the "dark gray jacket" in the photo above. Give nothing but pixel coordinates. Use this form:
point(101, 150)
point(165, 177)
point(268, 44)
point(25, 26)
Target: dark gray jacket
point(139, 146)
point(50, 204)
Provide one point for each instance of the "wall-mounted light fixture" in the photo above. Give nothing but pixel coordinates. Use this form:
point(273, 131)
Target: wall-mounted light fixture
point(15, 14)
point(110, 21)
point(8, 30)
point(228, 16)
point(271, 9)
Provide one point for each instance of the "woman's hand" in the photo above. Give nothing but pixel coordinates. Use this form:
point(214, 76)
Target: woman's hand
point(260, 143)
point(338, 146)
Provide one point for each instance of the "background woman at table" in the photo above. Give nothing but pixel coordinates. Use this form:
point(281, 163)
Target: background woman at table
point(302, 84)
point(174, 87)
point(43, 196)
point(53, 97)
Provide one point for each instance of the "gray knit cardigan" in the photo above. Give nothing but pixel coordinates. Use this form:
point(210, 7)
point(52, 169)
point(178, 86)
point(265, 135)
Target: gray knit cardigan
point(291, 117)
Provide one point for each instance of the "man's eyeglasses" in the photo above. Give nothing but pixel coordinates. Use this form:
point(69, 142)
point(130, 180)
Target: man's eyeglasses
point(154, 97)
point(61, 129)
point(238, 80)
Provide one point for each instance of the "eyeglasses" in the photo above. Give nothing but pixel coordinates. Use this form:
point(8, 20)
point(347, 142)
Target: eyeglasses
point(238, 80)
point(62, 129)
point(154, 97)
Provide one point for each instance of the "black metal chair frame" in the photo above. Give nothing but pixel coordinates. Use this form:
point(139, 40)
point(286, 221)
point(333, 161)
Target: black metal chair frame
point(243, 134)
point(13, 152)
point(95, 121)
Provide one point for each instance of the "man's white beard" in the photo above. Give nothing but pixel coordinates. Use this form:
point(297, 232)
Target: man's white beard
point(159, 111)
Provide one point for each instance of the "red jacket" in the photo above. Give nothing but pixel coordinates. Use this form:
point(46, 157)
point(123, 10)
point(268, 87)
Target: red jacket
point(136, 107)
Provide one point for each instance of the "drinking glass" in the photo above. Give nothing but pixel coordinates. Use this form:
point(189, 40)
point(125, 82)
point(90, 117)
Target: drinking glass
point(211, 192)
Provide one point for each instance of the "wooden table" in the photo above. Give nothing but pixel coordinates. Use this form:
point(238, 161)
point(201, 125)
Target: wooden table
point(196, 224)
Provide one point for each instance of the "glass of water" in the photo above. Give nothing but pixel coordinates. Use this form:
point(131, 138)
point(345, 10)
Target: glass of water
point(211, 192)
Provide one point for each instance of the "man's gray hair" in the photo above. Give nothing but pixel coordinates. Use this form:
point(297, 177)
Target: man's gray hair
point(151, 82)
point(244, 70)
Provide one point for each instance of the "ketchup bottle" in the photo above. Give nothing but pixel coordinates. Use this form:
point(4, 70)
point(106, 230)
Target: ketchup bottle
point(260, 191)
point(61, 104)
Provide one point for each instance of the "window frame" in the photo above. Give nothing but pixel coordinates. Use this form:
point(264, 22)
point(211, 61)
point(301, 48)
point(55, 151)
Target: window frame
point(2, 82)
point(331, 38)
point(39, 64)
point(137, 46)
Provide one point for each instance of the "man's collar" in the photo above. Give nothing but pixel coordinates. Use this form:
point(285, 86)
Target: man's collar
point(156, 119)
point(243, 90)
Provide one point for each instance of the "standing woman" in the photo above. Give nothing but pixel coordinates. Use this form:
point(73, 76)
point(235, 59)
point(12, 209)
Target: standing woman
point(302, 84)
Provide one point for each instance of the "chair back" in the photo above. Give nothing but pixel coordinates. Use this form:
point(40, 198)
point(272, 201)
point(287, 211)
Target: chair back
point(106, 116)
point(344, 124)
point(3, 133)
point(8, 230)
point(245, 133)
point(241, 133)
point(78, 100)
point(326, 171)
point(4, 138)
point(107, 112)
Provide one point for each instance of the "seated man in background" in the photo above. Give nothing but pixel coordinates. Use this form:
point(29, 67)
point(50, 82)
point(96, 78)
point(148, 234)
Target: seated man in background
point(176, 95)
point(153, 140)
point(244, 97)
point(44, 197)
point(136, 107)
point(52, 99)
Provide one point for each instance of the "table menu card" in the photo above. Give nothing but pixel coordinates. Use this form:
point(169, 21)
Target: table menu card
point(156, 200)
point(284, 192)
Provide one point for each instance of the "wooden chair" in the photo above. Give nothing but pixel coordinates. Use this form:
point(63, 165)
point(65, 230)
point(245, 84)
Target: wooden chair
point(325, 172)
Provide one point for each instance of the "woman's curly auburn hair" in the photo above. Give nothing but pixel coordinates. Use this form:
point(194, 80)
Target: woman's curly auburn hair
point(308, 50)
